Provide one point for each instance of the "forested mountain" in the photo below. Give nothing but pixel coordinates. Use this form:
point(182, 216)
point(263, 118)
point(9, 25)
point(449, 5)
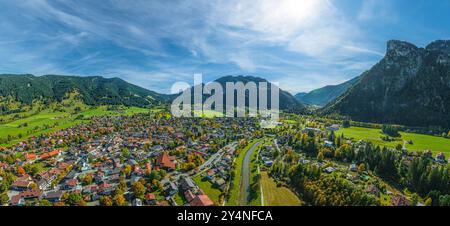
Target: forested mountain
point(324, 95)
point(286, 101)
point(94, 90)
point(409, 86)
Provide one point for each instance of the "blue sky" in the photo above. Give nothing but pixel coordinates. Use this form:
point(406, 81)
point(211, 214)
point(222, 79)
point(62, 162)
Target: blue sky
point(302, 44)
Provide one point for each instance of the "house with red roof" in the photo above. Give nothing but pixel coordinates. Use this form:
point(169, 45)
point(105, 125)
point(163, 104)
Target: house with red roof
point(30, 157)
point(31, 194)
point(17, 200)
point(70, 184)
point(165, 161)
point(22, 183)
point(150, 199)
point(201, 200)
point(50, 154)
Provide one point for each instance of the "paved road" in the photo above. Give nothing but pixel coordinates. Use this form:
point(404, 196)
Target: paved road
point(214, 159)
point(245, 175)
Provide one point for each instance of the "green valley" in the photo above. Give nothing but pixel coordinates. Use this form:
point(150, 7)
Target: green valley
point(420, 142)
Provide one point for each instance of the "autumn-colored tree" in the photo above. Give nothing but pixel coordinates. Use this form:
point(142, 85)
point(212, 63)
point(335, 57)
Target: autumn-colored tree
point(106, 201)
point(34, 186)
point(119, 199)
point(59, 204)
point(428, 202)
point(127, 170)
point(320, 157)
point(20, 171)
point(87, 179)
point(122, 184)
point(81, 202)
point(139, 190)
point(361, 168)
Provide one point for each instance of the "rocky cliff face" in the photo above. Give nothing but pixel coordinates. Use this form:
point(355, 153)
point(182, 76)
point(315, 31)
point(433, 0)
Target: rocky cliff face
point(410, 86)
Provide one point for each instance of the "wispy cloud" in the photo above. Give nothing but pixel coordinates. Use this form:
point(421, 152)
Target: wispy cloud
point(377, 10)
point(305, 44)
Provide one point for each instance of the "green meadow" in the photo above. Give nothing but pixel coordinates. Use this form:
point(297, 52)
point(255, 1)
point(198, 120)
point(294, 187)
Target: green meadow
point(209, 189)
point(208, 113)
point(420, 142)
point(277, 195)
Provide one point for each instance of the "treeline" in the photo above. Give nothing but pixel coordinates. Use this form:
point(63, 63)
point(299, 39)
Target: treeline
point(417, 172)
point(321, 189)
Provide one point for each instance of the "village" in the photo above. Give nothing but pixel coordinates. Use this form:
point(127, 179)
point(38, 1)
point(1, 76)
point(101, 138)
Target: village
point(157, 160)
point(136, 160)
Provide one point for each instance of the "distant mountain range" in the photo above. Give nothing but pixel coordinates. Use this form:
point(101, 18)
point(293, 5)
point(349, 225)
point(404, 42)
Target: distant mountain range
point(287, 102)
point(96, 90)
point(93, 90)
point(409, 86)
point(322, 96)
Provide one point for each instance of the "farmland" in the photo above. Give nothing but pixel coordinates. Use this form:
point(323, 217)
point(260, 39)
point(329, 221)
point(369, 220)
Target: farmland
point(277, 196)
point(419, 141)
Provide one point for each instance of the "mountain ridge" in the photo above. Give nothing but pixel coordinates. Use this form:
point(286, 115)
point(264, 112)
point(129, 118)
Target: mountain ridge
point(409, 86)
point(323, 95)
point(287, 101)
point(95, 90)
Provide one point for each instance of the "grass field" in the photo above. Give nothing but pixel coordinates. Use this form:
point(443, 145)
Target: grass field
point(277, 196)
point(48, 121)
point(420, 141)
point(253, 173)
point(207, 187)
point(179, 198)
point(234, 192)
point(209, 113)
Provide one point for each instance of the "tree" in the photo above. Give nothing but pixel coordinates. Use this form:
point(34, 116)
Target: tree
point(3, 199)
point(163, 173)
point(127, 170)
point(106, 201)
point(126, 153)
point(45, 202)
point(361, 168)
point(428, 202)
point(119, 199)
point(73, 199)
point(139, 190)
point(346, 123)
point(390, 130)
point(122, 184)
point(87, 179)
point(444, 200)
point(320, 157)
point(81, 202)
point(414, 199)
point(20, 171)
